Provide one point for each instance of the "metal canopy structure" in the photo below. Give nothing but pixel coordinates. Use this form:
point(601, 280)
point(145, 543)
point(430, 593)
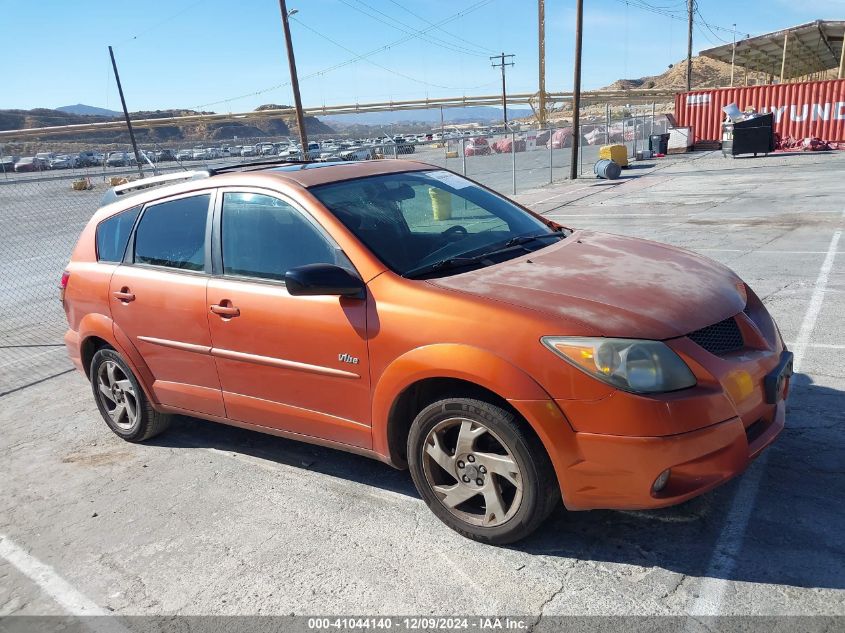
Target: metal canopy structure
point(797, 52)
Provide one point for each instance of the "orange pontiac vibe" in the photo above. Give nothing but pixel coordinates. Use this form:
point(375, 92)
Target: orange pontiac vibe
point(400, 311)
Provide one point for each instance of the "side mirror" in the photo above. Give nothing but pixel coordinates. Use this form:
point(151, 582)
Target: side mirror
point(323, 279)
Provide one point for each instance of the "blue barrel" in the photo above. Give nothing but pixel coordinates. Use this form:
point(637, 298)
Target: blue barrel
point(607, 169)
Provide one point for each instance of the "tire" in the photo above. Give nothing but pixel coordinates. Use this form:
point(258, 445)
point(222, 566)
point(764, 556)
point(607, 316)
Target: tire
point(480, 471)
point(109, 372)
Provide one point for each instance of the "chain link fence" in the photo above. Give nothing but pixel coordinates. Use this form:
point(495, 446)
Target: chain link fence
point(43, 210)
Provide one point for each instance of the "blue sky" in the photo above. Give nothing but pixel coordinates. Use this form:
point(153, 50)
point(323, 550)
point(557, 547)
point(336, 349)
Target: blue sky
point(219, 53)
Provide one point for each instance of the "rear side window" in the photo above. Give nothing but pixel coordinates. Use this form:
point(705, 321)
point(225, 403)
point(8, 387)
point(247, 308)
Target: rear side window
point(265, 237)
point(172, 234)
point(113, 234)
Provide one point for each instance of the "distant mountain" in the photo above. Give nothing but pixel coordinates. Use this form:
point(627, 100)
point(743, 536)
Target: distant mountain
point(199, 131)
point(468, 114)
point(86, 110)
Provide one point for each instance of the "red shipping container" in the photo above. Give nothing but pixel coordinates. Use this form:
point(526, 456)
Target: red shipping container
point(801, 110)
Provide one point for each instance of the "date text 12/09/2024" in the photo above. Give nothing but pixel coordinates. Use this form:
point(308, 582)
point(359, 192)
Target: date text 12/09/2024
point(424, 623)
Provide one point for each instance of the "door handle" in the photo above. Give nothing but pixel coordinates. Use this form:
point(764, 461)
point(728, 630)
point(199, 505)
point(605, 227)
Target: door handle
point(226, 311)
point(124, 295)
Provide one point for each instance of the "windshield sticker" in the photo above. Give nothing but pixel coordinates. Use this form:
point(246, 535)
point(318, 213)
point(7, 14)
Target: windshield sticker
point(449, 179)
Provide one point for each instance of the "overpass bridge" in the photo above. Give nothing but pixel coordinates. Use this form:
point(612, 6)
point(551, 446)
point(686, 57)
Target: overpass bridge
point(633, 96)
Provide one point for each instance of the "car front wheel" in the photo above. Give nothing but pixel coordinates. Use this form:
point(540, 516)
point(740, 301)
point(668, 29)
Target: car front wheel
point(480, 471)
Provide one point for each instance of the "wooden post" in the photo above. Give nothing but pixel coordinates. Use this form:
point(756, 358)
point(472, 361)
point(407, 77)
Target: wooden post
point(541, 27)
point(783, 57)
point(842, 62)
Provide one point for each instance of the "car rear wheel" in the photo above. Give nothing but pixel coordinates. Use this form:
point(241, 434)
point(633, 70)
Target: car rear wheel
point(480, 471)
point(121, 401)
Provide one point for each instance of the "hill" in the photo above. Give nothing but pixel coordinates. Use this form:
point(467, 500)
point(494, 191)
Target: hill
point(43, 117)
point(706, 73)
point(81, 108)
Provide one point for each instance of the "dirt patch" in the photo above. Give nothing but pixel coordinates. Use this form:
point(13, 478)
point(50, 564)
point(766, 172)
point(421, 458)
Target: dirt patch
point(97, 459)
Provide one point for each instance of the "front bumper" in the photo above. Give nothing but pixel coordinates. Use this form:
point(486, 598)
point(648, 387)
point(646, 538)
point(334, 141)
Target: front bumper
point(618, 472)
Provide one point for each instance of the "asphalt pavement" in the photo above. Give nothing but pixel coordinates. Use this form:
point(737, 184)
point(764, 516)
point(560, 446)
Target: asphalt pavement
point(208, 519)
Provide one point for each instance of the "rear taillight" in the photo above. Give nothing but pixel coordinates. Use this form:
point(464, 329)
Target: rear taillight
point(63, 284)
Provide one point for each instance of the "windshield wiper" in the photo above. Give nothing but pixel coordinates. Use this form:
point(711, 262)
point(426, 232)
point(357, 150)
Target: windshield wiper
point(451, 262)
point(457, 262)
point(526, 239)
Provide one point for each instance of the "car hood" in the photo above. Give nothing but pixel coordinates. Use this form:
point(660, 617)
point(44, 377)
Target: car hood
point(610, 285)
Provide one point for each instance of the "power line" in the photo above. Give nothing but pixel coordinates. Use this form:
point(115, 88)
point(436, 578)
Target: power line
point(402, 40)
point(675, 14)
point(427, 38)
point(443, 31)
point(376, 64)
point(164, 21)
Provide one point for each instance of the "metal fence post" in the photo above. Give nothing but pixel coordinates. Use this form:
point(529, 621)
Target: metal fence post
point(463, 155)
point(607, 124)
point(551, 155)
point(513, 160)
point(653, 106)
point(636, 133)
point(580, 153)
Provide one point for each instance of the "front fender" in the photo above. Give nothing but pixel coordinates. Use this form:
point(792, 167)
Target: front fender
point(447, 360)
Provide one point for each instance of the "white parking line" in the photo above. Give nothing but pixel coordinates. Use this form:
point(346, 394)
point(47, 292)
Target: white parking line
point(728, 545)
point(48, 580)
point(753, 252)
point(612, 215)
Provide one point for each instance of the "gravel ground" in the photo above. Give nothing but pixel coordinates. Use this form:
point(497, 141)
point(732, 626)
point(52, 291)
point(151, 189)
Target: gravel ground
point(208, 519)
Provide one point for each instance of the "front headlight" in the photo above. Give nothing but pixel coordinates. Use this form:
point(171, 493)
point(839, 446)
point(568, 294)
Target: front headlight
point(629, 364)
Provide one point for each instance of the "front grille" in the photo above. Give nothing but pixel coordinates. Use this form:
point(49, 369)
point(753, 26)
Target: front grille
point(719, 338)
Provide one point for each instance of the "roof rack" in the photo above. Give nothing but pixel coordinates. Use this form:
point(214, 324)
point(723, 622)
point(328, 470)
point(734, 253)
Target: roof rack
point(134, 186)
point(261, 163)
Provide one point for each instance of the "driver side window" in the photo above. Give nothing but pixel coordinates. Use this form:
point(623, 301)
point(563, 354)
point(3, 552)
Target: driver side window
point(264, 237)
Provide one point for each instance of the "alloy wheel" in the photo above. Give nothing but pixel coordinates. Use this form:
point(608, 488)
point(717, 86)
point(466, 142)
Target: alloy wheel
point(117, 395)
point(473, 472)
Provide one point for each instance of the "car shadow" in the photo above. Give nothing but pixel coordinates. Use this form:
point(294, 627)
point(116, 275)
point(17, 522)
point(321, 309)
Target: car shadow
point(792, 536)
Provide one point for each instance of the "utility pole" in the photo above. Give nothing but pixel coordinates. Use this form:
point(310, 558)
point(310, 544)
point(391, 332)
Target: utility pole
point(576, 90)
point(541, 37)
point(294, 79)
point(502, 63)
point(690, 9)
point(733, 57)
point(126, 114)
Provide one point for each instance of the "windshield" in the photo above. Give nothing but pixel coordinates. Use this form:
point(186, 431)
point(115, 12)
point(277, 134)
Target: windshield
point(428, 223)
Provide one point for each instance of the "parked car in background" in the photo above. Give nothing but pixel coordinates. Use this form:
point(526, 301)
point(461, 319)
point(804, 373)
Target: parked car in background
point(88, 158)
point(118, 159)
point(184, 154)
point(7, 163)
point(63, 161)
point(30, 163)
point(477, 147)
point(164, 155)
point(248, 150)
point(45, 157)
point(292, 151)
point(199, 153)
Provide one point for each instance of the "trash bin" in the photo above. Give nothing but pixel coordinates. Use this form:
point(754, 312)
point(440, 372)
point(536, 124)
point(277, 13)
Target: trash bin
point(607, 169)
point(752, 136)
point(659, 143)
